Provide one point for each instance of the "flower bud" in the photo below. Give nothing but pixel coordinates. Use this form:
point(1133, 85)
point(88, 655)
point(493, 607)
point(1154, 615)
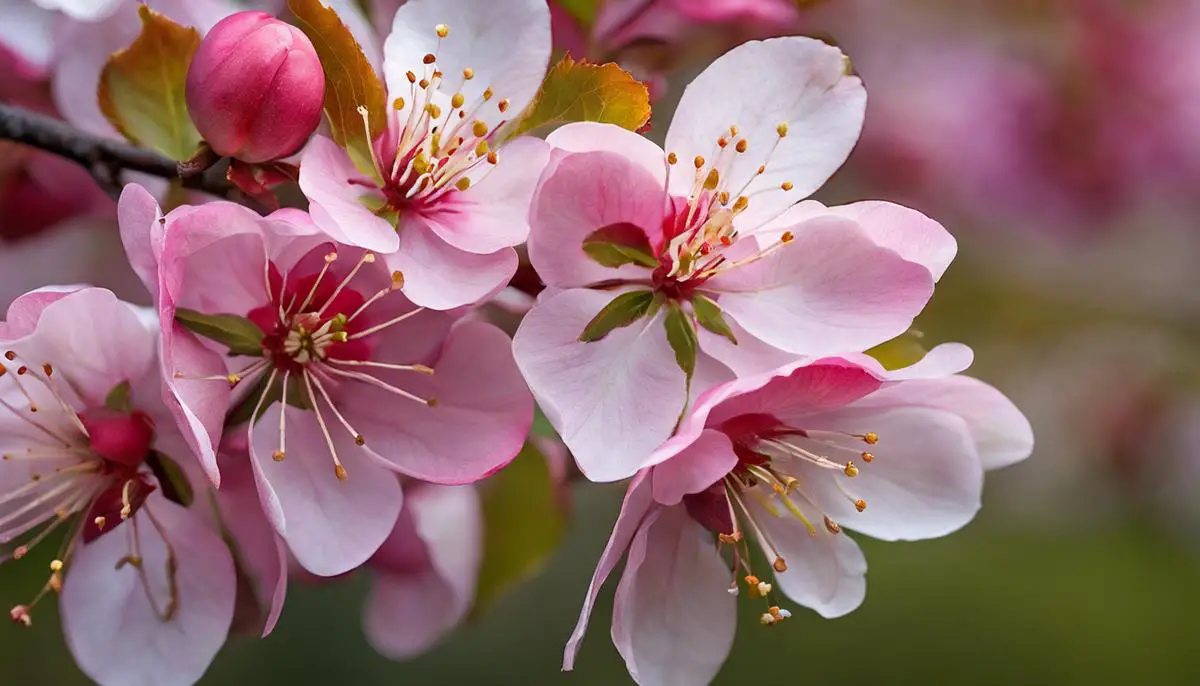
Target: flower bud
point(255, 88)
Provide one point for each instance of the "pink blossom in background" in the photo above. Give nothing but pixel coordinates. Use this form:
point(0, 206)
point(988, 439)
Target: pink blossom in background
point(447, 216)
point(147, 585)
point(793, 458)
point(424, 574)
point(716, 222)
point(373, 385)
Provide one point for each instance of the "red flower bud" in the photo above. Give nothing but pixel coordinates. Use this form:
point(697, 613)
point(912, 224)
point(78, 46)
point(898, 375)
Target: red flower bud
point(255, 88)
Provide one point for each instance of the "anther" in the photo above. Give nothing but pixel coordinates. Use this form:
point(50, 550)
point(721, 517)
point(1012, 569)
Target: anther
point(359, 440)
point(779, 565)
point(741, 203)
point(763, 588)
point(493, 158)
point(860, 504)
point(832, 526)
point(868, 457)
point(432, 402)
point(278, 455)
point(430, 58)
point(397, 281)
point(433, 110)
point(672, 158)
point(398, 104)
point(100, 522)
point(442, 30)
point(340, 472)
point(10, 356)
point(479, 128)
point(468, 73)
point(48, 369)
point(457, 100)
point(412, 78)
point(487, 94)
point(463, 184)
point(741, 145)
point(850, 470)
point(699, 161)
point(56, 565)
point(751, 580)
point(712, 180)
point(870, 438)
point(233, 379)
point(766, 619)
point(787, 237)
point(787, 185)
point(20, 552)
point(730, 539)
point(722, 142)
point(503, 105)
point(20, 615)
point(782, 129)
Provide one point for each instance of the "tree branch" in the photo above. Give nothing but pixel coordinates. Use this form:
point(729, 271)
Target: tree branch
point(104, 158)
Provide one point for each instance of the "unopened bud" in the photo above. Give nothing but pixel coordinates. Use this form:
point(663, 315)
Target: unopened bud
point(255, 88)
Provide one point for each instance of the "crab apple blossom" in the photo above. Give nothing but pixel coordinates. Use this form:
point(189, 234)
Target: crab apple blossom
point(447, 198)
point(793, 459)
point(425, 572)
point(147, 585)
point(338, 379)
point(702, 261)
point(255, 88)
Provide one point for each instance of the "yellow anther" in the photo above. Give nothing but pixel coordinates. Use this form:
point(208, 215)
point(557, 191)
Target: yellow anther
point(722, 142)
point(782, 129)
point(832, 526)
point(457, 100)
point(359, 440)
point(870, 438)
point(868, 457)
point(779, 565)
point(723, 197)
point(278, 455)
point(860, 504)
point(752, 580)
point(699, 161)
point(493, 158)
point(479, 128)
point(787, 185)
point(741, 145)
point(433, 110)
point(233, 379)
point(397, 280)
point(733, 130)
point(787, 237)
point(712, 180)
point(741, 203)
point(468, 73)
point(423, 83)
point(487, 94)
point(100, 522)
point(672, 158)
point(412, 78)
point(481, 149)
point(340, 472)
point(463, 184)
point(850, 470)
point(56, 565)
point(398, 104)
point(442, 30)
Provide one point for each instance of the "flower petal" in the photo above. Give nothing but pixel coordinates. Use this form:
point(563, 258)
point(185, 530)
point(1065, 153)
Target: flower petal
point(1001, 433)
point(831, 290)
point(478, 425)
point(613, 401)
point(407, 613)
point(493, 214)
point(634, 510)
point(439, 276)
point(138, 214)
point(585, 192)
point(825, 572)
point(705, 462)
point(673, 616)
point(916, 237)
point(326, 178)
point(925, 480)
point(757, 86)
point(331, 526)
point(506, 44)
point(116, 636)
point(587, 136)
point(792, 394)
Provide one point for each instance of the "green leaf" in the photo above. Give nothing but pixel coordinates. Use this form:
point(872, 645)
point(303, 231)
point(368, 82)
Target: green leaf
point(141, 89)
point(524, 525)
point(350, 82)
point(709, 315)
point(172, 480)
point(616, 245)
point(902, 351)
point(583, 11)
point(623, 310)
point(117, 399)
point(681, 334)
point(239, 333)
point(579, 91)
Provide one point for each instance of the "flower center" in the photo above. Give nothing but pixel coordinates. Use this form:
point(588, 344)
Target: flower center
point(441, 139)
point(778, 469)
point(77, 461)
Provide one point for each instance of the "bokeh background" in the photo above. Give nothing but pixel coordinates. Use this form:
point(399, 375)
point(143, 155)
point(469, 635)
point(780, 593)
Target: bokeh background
point(1060, 142)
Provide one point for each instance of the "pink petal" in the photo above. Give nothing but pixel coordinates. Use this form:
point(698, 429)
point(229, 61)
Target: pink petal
point(25, 310)
point(111, 628)
point(912, 235)
point(138, 214)
point(325, 178)
point(634, 510)
point(831, 290)
point(583, 193)
point(331, 526)
point(825, 572)
point(494, 213)
point(594, 137)
point(809, 89)
point(794, 393)
point(702, 464)
point(478, 426)
point(506, 44)
point(439, 276)
point(407, 613)
point(749, 357)
point(925, 481)
point(1001, 433)
point(261, 551)
point(613, 401)
point(673, 616)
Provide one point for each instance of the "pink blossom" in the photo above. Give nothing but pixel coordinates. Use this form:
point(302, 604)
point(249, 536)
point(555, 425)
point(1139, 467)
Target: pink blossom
point(425, 572)
point(84, 438)
point(712, 237)
point(373, 384)
point(793, 458)
point(439, 201)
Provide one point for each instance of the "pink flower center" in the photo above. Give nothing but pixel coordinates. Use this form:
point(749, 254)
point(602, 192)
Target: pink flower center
point(778, 471)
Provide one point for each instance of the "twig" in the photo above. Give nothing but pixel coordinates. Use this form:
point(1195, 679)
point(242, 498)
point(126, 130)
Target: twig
point(104, 158)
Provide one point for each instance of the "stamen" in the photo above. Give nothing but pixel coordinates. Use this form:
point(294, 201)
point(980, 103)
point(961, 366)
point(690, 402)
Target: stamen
point(367, 258)
point(380, 327)
point(338, 469)
point(367, 378)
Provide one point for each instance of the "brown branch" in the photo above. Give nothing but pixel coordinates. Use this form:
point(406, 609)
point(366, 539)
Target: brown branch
point(104, 158)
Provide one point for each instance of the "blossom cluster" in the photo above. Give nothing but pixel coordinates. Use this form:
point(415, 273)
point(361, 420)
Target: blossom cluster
point(315, 389)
